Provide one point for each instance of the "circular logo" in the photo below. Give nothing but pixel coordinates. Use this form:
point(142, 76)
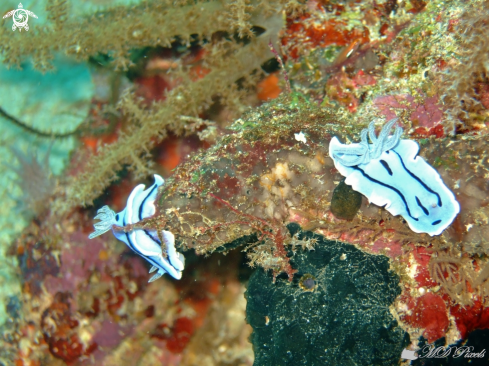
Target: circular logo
point(20, 18)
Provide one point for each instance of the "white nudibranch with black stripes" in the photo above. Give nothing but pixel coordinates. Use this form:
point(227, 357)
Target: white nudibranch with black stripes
point(389, 173)
point(144, 242)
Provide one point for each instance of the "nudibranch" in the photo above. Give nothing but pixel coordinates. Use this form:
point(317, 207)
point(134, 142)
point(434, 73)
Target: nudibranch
point(390, 173)
point(144, 242)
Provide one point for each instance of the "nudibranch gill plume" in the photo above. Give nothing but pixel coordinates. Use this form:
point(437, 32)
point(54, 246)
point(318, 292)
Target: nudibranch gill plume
point(140, 205)
point(390, 173)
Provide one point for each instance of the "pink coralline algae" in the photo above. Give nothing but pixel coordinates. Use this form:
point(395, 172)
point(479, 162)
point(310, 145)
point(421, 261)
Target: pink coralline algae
point(425, 116)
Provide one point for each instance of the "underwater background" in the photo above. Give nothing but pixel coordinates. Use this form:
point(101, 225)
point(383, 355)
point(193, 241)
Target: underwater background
point(234, 104)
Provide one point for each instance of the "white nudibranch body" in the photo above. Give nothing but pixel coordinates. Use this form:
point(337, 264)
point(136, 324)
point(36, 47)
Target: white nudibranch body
point(390, 173)
point(144, 242)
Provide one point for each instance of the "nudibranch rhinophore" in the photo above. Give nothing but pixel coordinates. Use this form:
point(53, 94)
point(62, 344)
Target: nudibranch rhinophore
point(389, 173)
point(140, 205)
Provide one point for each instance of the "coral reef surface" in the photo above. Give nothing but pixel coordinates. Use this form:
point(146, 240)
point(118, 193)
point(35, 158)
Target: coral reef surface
point(235, 103)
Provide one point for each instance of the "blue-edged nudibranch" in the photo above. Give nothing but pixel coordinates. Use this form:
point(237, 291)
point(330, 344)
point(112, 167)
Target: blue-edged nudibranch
point(390, 173)
point(144, 242)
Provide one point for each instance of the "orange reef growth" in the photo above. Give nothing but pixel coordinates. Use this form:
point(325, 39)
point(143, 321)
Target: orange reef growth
point(310, 31)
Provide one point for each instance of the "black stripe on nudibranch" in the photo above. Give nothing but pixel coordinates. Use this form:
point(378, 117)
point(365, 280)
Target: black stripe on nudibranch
point(422, 207)
point(386, 166)
point(151, 237)
point(131, 245)
point(140, 212)
point(387, 186)
point(129, 242)
point(419, 180)
point(435, 222)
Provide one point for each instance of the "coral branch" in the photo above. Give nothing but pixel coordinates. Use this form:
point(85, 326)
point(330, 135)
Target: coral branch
point(151, 126)
point(281, 63)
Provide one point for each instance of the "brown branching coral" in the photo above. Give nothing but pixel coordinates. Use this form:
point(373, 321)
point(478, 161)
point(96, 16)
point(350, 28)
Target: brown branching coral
point(118, 31)
point(135, 144)
point(240, 11)
point(460, 277)
point(228, 62)
point(121, 29)
point(448, 271)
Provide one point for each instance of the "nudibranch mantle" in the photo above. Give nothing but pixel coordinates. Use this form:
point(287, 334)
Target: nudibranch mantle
point(144, 242)
point(389, 173)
